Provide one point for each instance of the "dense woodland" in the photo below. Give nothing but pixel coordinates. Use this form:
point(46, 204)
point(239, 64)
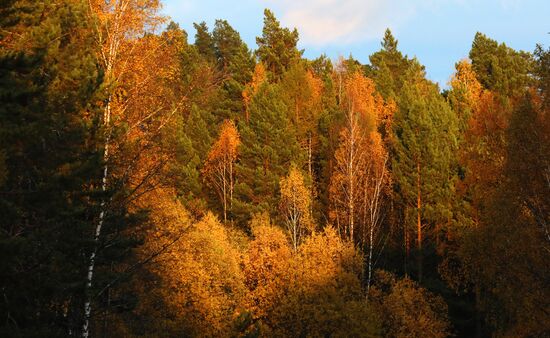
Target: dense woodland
point(154, 187)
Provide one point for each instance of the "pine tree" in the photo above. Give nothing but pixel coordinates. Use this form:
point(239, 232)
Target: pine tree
point(388, 67)
point(269, 146)
point(236, 63)
point(500, 68)
point(204, 42)
point(425, 141)
point(277, 47)
point(48, 76)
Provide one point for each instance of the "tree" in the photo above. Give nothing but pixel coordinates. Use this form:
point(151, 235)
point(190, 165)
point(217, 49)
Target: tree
point(315, 290)
point(388, 67)
point(376, 186)
point(135, 112)
point(425, 141)
point(236, 64)
point(465, 92)
point(204, 42)
point(500, 68)
point(301, 91)
point(362, 106)
point(408, 310)
point(258, 78)
point(195, 286)
point(219, 168)
point(49, 164)
point(295, 206)
point(269, 146)
point(277, 45)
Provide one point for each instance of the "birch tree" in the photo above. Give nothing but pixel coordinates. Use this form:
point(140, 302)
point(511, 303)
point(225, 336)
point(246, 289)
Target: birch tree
point(347, 180)
point(295, 206)
point(219, 169)
point(133, 111)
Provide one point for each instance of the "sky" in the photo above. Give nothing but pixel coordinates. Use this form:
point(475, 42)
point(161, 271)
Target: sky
point(438, 32)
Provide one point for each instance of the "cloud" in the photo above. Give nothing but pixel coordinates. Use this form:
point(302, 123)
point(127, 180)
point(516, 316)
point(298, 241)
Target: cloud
point(322, 22)
point(342, 22)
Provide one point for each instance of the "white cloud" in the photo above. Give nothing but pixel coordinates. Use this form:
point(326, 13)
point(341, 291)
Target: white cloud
point(322, 22)
point(342, 22)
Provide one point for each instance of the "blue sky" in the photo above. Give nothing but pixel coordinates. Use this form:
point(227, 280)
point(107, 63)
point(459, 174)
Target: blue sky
point(437, 32)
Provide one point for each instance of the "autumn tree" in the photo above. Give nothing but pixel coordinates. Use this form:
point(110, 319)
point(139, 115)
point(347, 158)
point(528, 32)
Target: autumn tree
point(195, 286)
point(295, 205)
point(315, 290)
point(135, 112)
point(376, 192)
point(506, 250)
point(219, 168)
point(407, 309)
point(353, 158)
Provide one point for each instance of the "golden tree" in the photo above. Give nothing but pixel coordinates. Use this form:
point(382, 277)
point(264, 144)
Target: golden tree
point(135, 107)
point(364, 108)
point(295, 205)
point(219, 168)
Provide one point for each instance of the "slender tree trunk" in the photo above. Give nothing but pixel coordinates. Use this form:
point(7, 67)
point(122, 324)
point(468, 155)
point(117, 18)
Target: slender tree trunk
point(419, 222)
point(309, 156)
point(109, 59)
point(351, 176)
point(91, 262)
point(224, 192)
point(231, 184)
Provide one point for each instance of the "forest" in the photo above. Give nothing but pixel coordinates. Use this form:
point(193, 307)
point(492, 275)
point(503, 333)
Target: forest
point(153, 187)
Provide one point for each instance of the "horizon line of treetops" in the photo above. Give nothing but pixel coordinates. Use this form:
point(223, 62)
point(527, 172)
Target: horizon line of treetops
point(153, 187)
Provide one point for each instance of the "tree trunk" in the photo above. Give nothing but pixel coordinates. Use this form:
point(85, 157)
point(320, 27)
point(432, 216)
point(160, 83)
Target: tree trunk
point(419, 223)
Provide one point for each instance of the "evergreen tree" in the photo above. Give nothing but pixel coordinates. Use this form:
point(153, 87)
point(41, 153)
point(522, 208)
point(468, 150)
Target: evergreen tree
point(388, 67)
point(204, 41)
point(269, 146)
point(48, 76)
point(277, 47)
point(236, 63)
point(425, 140)
point(500, 68)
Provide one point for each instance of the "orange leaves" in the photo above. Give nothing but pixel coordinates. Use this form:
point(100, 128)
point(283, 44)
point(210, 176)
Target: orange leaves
point(225, 148)
point(295, 205)
point(359, 153)
point(307, 292)
point(201, 283)
point(361, 98)
point(465, 83)
point(219, 168)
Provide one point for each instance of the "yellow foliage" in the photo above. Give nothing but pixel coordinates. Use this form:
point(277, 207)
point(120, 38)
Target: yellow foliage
point(313, 292)
point(295, 205)
point(409, 310)
point(199, 281)
point(465, 84)
point(219, 168)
